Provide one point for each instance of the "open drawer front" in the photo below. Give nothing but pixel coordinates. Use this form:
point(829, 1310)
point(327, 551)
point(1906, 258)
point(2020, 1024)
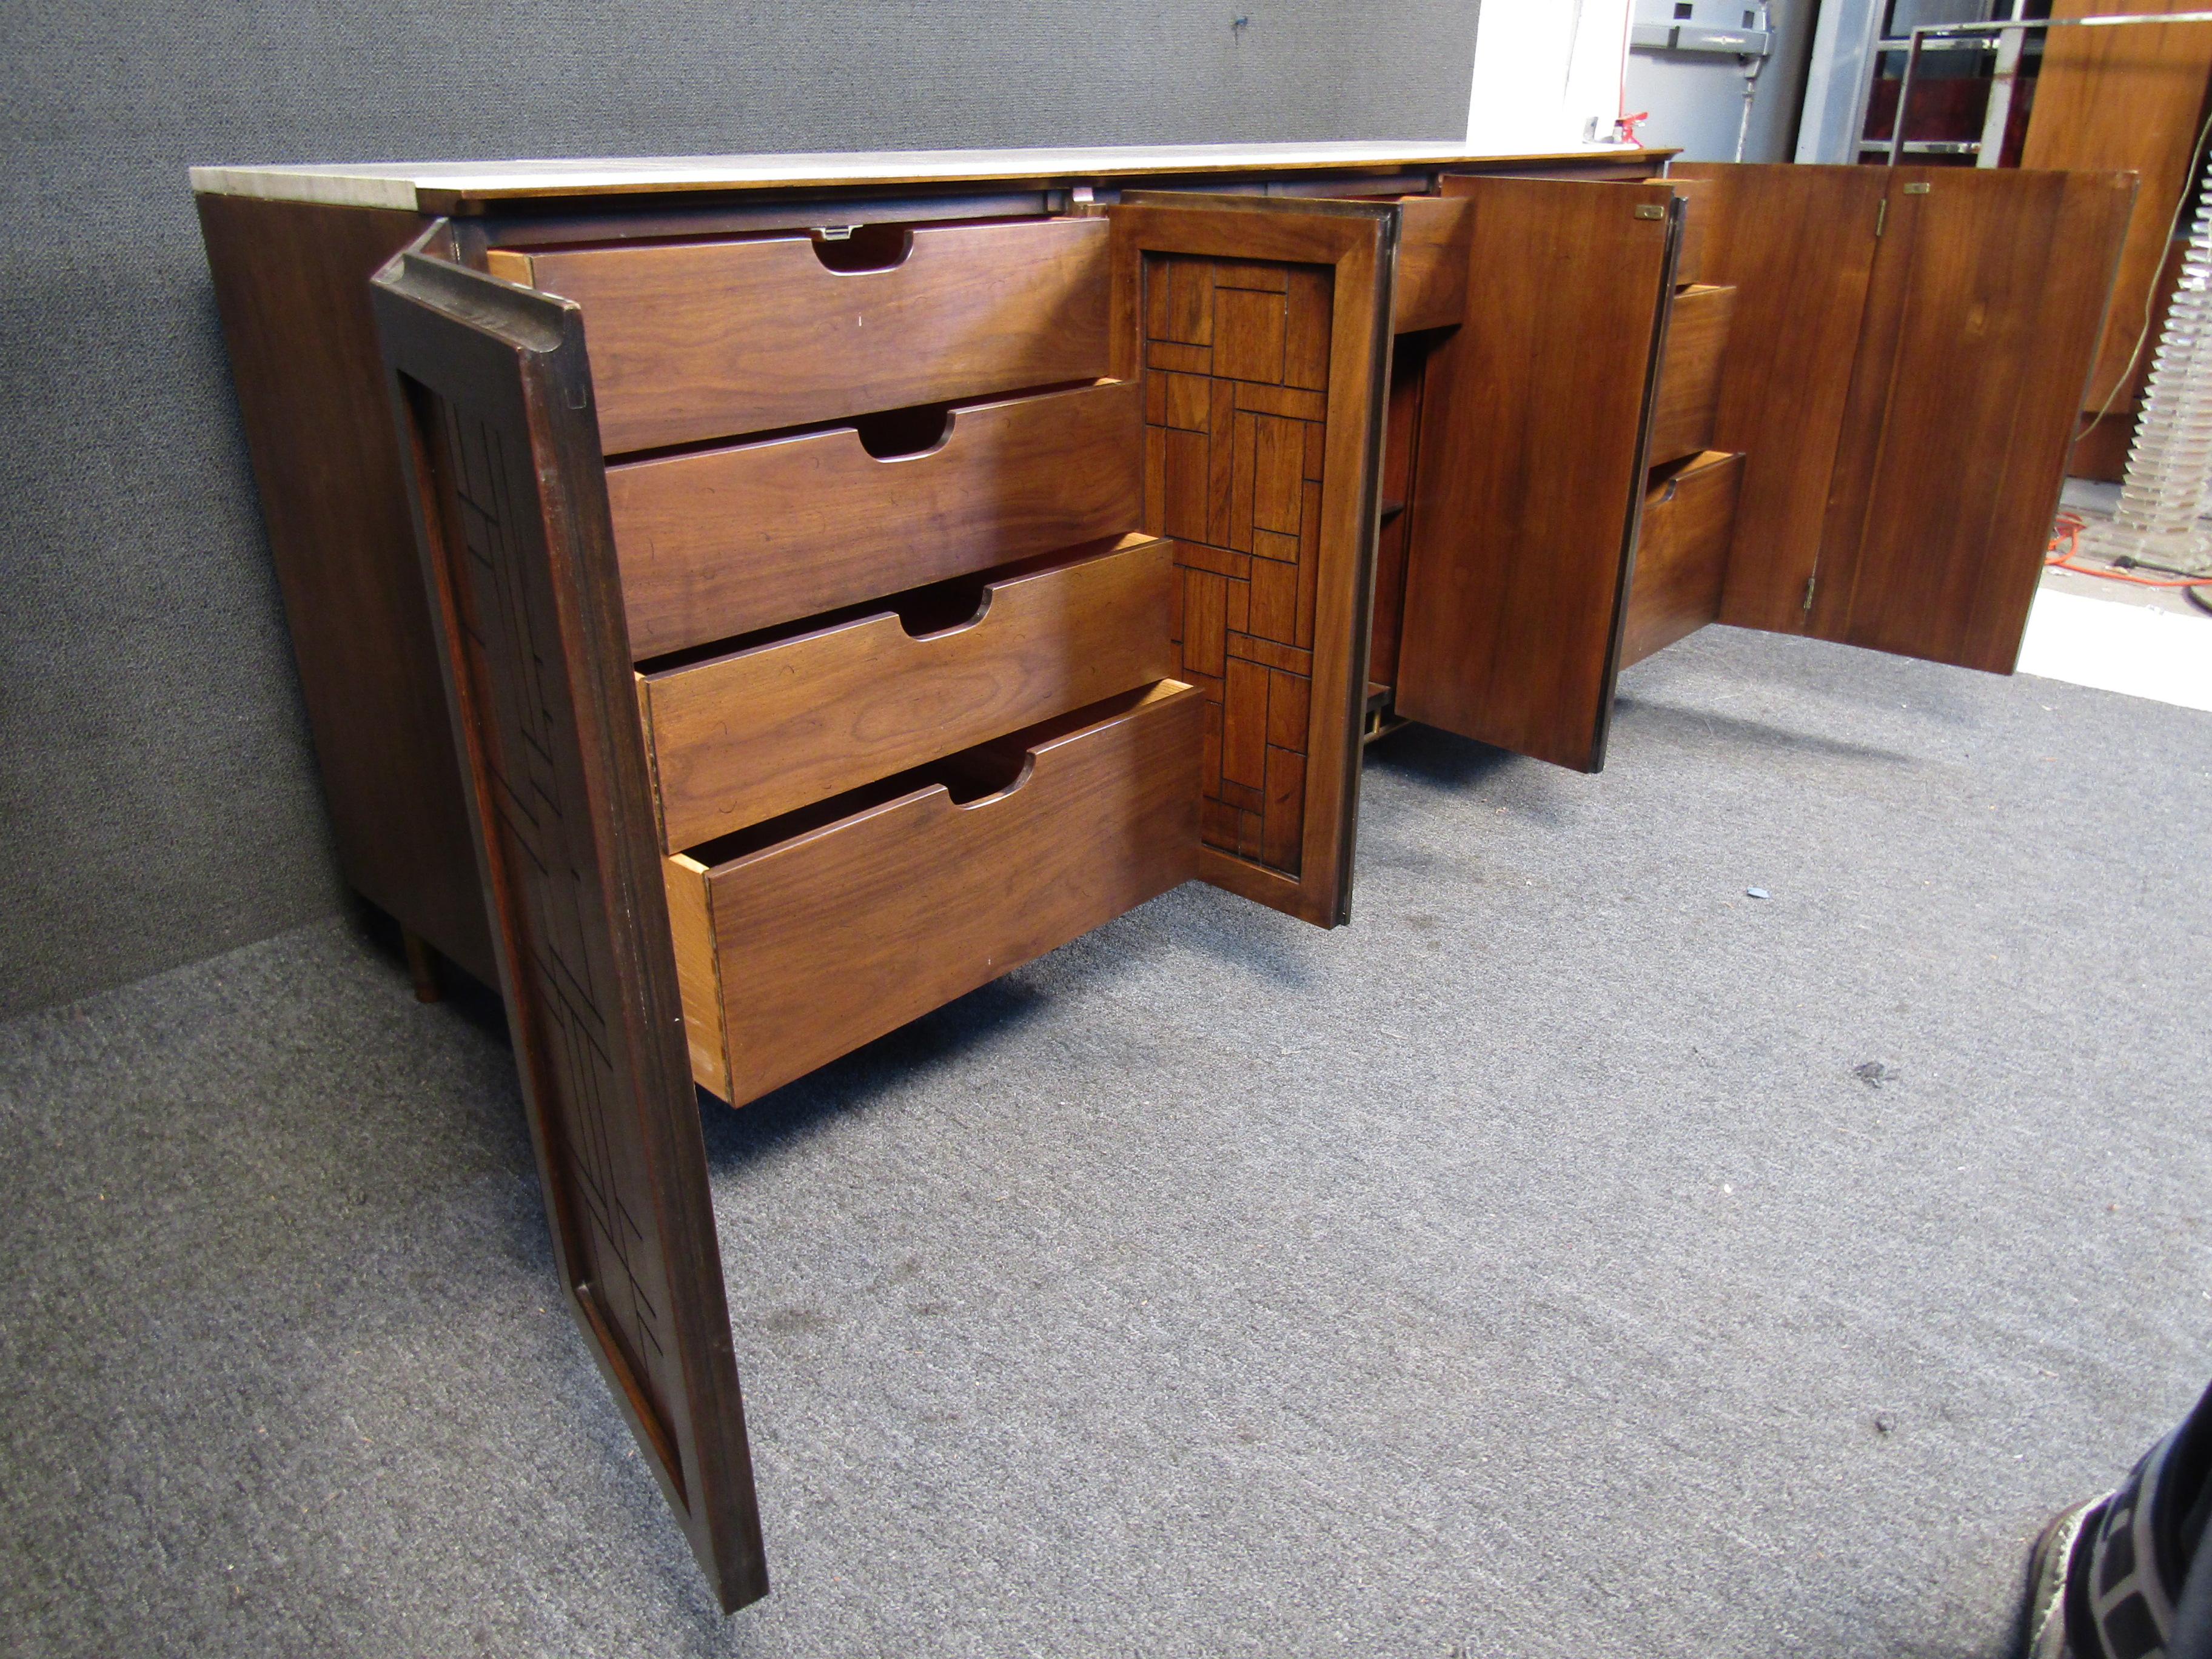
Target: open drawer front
point(806, 937)
point(776, 725)
point(1896, 355)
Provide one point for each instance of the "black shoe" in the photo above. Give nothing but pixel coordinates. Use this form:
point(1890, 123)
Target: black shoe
point(2048, 1570)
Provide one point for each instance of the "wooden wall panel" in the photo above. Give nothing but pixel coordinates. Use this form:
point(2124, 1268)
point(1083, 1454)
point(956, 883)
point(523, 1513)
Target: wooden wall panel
point(2123, 98)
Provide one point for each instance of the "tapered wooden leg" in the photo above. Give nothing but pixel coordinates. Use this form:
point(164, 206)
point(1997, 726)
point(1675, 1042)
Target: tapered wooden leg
point(423, 963)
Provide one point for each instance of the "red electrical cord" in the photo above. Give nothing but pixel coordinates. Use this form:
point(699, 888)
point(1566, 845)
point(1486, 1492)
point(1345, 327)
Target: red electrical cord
point(2068, 529)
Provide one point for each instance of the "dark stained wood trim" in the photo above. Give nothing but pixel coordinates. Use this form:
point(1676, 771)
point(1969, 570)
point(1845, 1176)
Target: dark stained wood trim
point(492, 398)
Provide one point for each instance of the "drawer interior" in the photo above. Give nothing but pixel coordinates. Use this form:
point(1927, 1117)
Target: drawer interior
point(799, 939)
point(1682, 555)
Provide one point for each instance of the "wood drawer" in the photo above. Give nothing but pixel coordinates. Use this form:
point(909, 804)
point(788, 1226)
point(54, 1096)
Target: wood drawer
point(1690, 374)
point(793, 720)
point(1681, 553)
point(725, 541)
point(807, 937)
point(702, 340)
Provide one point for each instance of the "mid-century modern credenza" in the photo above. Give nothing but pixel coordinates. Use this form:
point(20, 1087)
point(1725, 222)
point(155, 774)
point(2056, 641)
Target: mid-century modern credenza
point(746, 602)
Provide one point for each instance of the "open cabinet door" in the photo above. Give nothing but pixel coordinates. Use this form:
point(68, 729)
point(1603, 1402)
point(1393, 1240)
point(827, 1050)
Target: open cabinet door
point(1535, 426)
point(497, 426)
point(1989, 294)
point(1260, 328)
point(1910, 349)
point(1796, 244)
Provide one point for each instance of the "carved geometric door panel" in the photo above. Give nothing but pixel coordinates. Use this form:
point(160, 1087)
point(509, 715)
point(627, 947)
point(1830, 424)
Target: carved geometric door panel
point(493, 398)
point(1260, 330)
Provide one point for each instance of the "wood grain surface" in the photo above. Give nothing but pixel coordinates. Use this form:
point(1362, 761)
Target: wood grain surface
point(710, 340)
point(1261, 328)
point(491, 394)
point(1531, 470)
point(291, 282)
point(1797, 244)
point(1682, 555)
point(2124, 98)
point(851, 928)
point(1689, 396)
point(1401, 438)
point(720, 542)
point(1988, 297)
point(768, 729)
point(1431, 279)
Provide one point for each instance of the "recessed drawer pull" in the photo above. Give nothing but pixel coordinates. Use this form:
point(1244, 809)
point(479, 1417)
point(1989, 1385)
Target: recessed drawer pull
point(804, 938)
point(768, 728)
point(723, 541)
point(696, 341)
point(858, 250)
point(904, 435)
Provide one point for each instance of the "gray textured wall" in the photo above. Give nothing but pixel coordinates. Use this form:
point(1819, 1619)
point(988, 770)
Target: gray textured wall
point(158, 798)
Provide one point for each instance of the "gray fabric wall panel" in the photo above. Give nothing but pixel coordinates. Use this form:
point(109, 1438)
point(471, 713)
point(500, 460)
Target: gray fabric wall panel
point(158, 798)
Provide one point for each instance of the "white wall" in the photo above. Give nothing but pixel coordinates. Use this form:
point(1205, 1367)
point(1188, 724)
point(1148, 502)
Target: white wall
point(1543, 70)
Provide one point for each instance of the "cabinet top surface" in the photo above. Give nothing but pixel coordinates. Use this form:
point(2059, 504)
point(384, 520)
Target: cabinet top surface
point(441, 186)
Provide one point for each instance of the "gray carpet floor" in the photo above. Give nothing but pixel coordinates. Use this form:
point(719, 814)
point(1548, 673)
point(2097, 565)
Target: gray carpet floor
point(1528, 1269)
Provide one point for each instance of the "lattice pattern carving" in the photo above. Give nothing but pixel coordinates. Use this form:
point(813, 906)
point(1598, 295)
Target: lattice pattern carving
point(1235, 426)
point(532, 754)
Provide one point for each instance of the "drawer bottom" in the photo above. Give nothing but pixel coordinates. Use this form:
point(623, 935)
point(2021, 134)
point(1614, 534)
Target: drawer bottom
point(803, 938)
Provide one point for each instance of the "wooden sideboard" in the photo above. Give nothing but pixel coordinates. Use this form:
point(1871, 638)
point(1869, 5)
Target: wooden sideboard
point(842, 580)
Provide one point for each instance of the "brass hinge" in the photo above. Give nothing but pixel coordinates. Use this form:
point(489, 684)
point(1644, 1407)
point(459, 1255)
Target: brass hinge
point(1650, 212)
point(1881, 215)
point(1809, 581)
point(1917, 189)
